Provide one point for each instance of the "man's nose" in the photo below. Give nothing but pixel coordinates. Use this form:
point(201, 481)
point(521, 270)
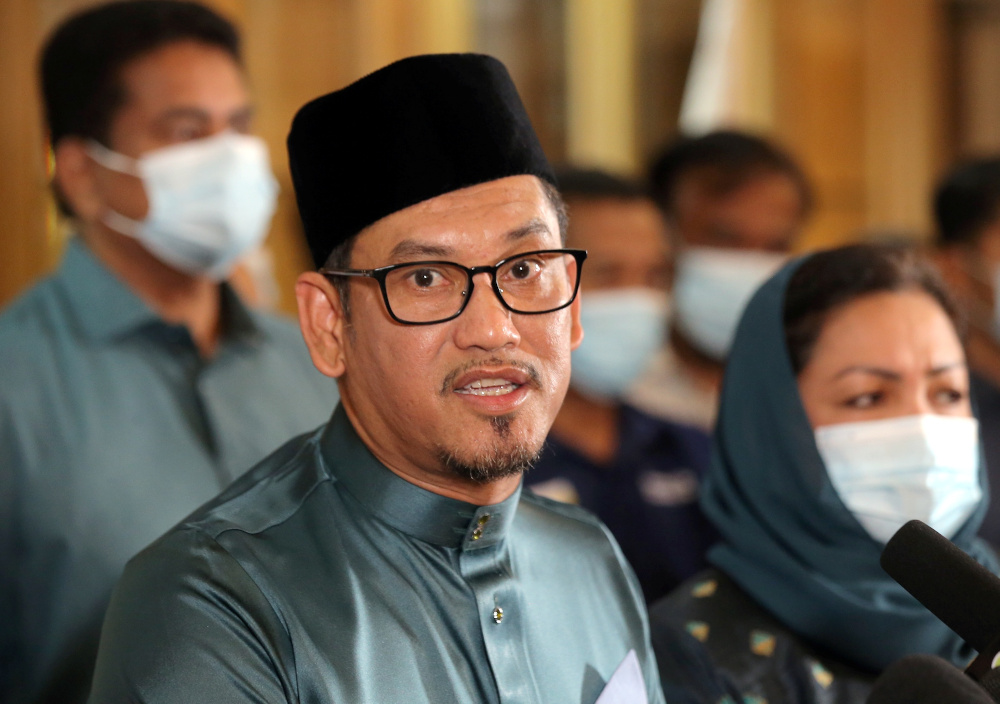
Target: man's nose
point(485, 323)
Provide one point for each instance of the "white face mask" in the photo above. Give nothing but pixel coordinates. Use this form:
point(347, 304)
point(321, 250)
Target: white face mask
point(623, 329)
point(890, 471)
point(712, 288)
point(210, 200)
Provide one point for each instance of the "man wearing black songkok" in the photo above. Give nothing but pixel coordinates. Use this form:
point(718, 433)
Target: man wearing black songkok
point(391, 556)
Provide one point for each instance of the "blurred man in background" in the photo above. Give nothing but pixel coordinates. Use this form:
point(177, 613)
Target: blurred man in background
point(134, 384)
point(735, 205)
point(967, 215)
point(639, 474)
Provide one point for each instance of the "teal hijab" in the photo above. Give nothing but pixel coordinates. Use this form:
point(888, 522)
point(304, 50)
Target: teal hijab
point(787, 539)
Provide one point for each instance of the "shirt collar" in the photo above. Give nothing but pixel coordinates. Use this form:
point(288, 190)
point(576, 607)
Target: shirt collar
point(106, 307)
point(404, 506)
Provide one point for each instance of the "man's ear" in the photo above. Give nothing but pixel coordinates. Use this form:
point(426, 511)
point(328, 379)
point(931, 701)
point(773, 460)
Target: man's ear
point(76, 180)
point(576, 331)
point(321, 318)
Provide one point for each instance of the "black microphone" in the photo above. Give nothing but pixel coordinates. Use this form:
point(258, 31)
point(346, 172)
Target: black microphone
point(942, 577)
point(955, 588)
point(925, 679)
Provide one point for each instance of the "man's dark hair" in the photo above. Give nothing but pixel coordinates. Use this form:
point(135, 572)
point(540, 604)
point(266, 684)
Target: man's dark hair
point(594, 184)
point(967, 201)
point(724, 161)
point(833, 278)
point(82, 61)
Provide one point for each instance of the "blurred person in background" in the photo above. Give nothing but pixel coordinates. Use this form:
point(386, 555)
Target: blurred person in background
point(134, 383)
point(845, 413)
point(735, 205)
point(638, 473)
point(967, 216)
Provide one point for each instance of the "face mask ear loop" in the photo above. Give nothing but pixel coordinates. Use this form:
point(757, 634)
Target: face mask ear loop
point(111, 159)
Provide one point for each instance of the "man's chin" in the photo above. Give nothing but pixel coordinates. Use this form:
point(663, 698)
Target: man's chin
point(502, 454)
point(486, 468)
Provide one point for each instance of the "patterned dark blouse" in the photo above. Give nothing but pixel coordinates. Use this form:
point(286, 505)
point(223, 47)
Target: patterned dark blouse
point(716, 645)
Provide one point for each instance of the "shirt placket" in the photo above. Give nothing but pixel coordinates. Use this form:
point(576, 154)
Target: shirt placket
point(486, 566)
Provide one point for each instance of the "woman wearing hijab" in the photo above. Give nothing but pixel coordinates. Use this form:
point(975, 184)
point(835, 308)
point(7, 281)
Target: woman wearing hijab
point(845, 398)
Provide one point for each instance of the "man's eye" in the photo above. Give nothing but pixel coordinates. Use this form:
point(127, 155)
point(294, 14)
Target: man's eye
point(525, 269)
point(185, 131)
point(424, 278)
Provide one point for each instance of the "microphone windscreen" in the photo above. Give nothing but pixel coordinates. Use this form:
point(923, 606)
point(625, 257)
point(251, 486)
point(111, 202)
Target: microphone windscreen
point(926, 679)
point(942, 577)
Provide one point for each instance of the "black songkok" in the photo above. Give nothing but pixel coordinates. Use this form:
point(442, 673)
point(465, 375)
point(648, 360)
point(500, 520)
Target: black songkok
point(416, 129)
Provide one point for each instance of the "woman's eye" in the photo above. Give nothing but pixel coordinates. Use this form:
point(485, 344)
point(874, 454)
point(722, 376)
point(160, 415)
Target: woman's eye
point(948, 397)
point(864, 400)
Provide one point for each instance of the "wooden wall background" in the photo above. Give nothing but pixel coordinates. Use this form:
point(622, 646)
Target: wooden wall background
point(874, 96)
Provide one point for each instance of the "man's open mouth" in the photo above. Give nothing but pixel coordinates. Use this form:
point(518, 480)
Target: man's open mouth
point(488, 387)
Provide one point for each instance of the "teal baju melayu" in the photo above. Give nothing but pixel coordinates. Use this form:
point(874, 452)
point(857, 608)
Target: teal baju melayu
point(112, 429)
point(322, 576)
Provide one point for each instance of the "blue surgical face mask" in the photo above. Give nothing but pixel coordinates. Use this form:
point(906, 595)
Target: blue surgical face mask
point(712, 288)
point(887, 472)
point(210, 201)
point(623, 329)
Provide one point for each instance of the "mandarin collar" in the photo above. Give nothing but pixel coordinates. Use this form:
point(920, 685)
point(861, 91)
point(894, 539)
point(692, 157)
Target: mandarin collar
point(420, 513)
point(106, 308)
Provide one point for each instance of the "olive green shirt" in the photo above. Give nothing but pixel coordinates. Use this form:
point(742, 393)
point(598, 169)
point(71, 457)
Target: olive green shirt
point(322, 576)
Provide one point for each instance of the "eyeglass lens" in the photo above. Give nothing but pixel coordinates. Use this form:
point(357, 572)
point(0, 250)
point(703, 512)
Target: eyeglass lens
point(535, 283)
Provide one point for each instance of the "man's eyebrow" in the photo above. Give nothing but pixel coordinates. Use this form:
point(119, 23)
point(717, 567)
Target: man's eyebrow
point(535, 226)
point(184, 113)
point(409, 249)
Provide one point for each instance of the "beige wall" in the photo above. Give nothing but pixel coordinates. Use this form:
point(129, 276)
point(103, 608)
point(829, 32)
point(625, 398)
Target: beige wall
point(295, 51)
point(860, 93)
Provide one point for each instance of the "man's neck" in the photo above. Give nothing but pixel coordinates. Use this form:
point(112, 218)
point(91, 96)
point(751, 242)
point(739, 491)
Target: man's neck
point(177, 297)
point(589, 426)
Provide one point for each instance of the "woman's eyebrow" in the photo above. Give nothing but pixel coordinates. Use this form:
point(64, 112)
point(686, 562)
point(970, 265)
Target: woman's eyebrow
point(874, 371)
point(946, 368)
point(894, 376)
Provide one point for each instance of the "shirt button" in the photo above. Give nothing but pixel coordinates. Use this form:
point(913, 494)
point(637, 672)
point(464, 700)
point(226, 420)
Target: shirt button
point(481, 523)
point(497, 614)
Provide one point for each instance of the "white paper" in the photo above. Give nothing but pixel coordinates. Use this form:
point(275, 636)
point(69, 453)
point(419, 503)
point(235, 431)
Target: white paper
point(626, 685)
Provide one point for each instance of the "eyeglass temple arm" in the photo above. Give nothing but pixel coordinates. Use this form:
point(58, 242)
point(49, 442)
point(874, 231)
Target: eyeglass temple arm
point(347, 272)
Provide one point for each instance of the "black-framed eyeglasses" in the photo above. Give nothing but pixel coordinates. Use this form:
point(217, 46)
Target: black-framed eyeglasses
point(428, 292)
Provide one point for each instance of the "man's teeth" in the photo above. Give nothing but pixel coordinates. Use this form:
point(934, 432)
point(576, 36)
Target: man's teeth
point(488, 387)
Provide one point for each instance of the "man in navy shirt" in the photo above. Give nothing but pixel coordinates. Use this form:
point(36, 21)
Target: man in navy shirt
point(638, 473)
